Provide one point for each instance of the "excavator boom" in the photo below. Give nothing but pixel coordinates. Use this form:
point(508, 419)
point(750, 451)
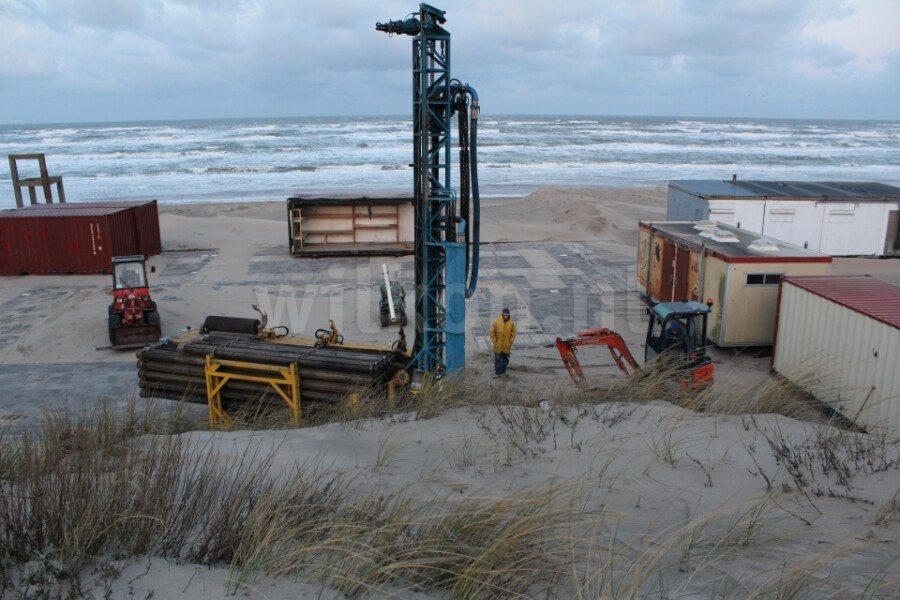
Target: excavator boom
point(676, 338)
point(568, 349)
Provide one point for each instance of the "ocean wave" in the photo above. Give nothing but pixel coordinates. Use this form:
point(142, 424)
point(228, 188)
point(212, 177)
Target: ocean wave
point(243, 157)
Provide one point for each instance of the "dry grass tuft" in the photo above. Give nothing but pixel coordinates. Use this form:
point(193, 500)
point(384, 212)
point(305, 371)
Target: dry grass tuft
point(103, 489)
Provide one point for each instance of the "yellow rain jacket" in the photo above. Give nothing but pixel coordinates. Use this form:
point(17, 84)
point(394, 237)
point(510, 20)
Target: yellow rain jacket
point(503, 334)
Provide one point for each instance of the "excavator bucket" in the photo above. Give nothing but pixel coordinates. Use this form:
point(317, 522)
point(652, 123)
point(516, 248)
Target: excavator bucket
point(136, 336)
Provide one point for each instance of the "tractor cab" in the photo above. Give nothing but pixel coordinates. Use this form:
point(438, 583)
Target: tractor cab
point(129, 272)
point(676, 334)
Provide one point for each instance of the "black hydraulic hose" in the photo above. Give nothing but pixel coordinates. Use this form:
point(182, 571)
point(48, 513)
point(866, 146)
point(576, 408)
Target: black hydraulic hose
point(476, 198)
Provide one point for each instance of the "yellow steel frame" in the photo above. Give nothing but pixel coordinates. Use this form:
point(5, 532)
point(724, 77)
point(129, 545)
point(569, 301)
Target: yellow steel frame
point(284, 381)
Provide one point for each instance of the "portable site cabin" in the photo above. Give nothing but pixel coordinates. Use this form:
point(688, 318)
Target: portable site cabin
point(363, 226)
point(737, 270)
point(839, 218)
point(839, 338)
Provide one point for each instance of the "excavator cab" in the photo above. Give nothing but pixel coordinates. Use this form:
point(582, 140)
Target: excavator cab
point(676, 336)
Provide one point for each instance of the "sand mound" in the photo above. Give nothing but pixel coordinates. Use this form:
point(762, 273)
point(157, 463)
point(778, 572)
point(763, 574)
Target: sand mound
point(583, 214)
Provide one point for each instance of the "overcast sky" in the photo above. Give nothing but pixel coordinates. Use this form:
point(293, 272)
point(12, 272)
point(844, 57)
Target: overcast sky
point(113, 60)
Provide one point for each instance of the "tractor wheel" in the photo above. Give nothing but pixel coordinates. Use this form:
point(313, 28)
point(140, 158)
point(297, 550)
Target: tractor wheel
point(151, 317)
point(384, 320)
point(115, 323)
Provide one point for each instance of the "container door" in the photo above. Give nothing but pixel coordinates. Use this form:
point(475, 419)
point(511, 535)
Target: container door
point(676, 266)
point(681, 287)
point(667, 293)
point(656, 267)
point(643, 261)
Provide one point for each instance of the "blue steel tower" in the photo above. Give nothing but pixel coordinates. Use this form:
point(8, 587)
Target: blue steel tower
point(446, 227)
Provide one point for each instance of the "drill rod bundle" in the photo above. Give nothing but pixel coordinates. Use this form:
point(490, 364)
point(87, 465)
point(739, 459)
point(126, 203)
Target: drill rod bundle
point(175, 369)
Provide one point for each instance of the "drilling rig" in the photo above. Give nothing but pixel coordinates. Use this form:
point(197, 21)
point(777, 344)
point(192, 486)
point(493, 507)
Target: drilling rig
point(233, 361)
point(446, 224)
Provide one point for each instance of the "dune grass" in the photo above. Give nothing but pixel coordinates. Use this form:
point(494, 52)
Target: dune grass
point(93, 492)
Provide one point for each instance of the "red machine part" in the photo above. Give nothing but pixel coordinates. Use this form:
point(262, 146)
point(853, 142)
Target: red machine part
point(697, 378)
point(701, 377)
point(131, 303)
point(568, 348)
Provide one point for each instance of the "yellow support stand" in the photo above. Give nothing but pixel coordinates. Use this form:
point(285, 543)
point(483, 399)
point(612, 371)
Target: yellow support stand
point(283, 380)
point(398, 382)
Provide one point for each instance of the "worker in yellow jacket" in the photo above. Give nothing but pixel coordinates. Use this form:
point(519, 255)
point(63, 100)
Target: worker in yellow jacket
point(503, 334)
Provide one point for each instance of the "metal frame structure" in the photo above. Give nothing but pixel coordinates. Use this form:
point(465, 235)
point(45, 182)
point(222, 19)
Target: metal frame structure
point(440, 258)
point(283, 379)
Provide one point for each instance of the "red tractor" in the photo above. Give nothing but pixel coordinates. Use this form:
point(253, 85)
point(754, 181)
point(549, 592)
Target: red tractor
point(133, 318)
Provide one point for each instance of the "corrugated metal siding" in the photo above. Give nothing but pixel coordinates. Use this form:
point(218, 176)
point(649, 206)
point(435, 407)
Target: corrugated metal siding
point(146, 228)
point(146, 223)
point(843, 348)
point(45, 241)
point(145, 215)
point(870, 296)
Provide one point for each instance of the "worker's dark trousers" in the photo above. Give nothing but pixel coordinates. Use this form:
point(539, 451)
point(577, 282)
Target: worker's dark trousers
point(501, 362)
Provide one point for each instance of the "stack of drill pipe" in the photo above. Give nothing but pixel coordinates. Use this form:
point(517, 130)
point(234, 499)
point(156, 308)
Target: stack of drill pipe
point(177, 371)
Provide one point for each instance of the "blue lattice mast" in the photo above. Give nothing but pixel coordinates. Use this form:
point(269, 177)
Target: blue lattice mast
point(440, 258)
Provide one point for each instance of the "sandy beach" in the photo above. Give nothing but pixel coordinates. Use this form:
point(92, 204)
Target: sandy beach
point(645, 498)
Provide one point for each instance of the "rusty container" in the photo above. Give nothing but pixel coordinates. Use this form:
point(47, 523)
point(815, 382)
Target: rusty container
point(144, 213)
point(737, 270)
point(41, 240)
point(146, 224)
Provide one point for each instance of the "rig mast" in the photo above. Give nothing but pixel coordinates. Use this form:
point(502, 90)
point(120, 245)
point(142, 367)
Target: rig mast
point(446, 227)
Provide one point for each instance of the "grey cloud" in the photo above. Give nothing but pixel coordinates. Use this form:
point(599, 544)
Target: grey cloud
point(259, 57)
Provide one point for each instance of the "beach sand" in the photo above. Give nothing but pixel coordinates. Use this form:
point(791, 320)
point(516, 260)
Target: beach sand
point(708, 503)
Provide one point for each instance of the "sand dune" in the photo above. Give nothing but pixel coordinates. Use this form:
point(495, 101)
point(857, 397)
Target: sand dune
point(646, 498)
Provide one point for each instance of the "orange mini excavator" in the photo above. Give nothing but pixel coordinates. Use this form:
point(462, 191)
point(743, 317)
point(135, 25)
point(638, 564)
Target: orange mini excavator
point(676, 338)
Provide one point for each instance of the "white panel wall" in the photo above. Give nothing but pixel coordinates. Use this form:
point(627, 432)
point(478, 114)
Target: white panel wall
point(746, 214)
point(797, 222)
point(848, 360)
point(849, 229)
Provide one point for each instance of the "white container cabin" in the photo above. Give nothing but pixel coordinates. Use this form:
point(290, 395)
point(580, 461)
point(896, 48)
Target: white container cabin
point(836, 218)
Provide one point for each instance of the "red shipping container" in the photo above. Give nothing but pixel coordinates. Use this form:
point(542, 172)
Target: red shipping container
point(43, 240)
point(146, 224)
point(144, 213)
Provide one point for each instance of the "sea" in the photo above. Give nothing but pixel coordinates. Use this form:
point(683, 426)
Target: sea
point(247, 160)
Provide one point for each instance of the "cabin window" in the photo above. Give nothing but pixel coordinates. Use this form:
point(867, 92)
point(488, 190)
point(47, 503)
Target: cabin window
point(763, 278)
